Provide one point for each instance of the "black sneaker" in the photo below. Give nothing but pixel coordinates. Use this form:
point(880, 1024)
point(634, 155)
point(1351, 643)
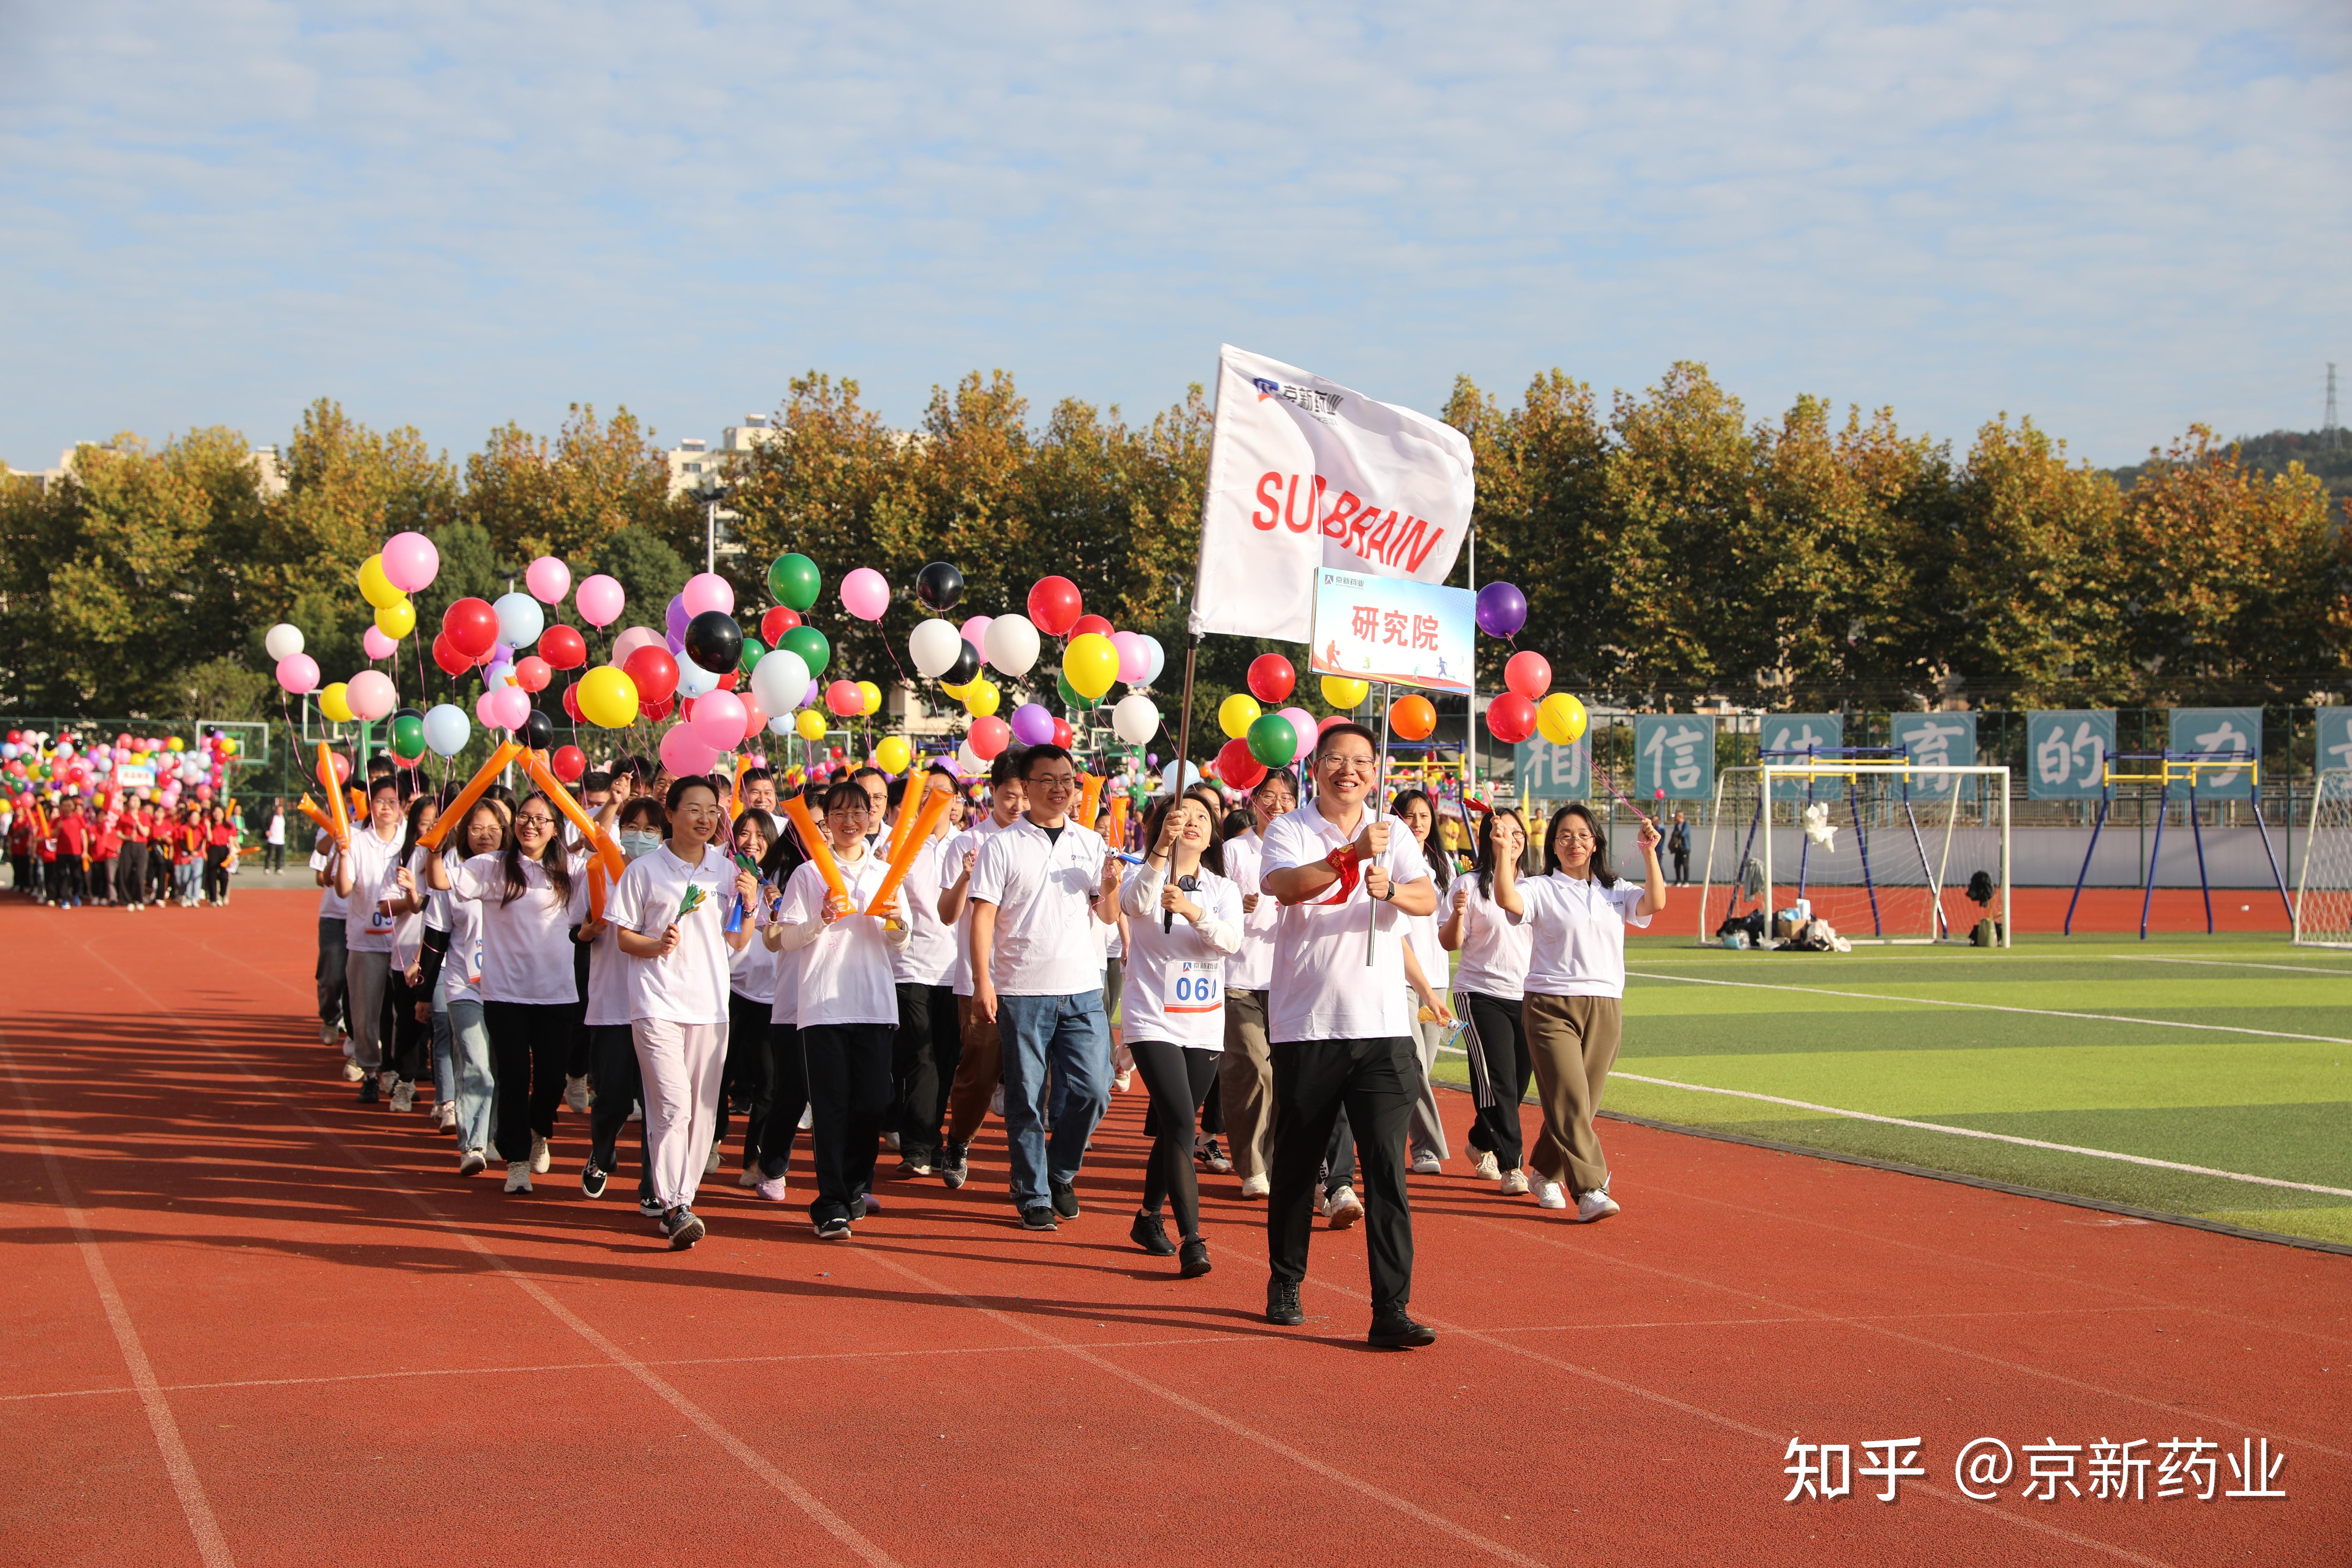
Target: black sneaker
point(1148, 1234)
point(836, 1229)
point(648, 1205)
point(683, 1228)
point(1195, 1260)
point(1039, 1217)
point(592, 1179)
point(1066, 1198)
point(955, 1164)
point(1282, 1304)
point(1395, 1331)
point(368, 1092)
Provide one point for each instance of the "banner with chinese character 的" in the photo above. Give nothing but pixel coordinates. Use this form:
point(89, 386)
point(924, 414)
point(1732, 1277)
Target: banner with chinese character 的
point(1392, 629)
point(1304, 472)
point(2066, 753)
point(1785, 740)
point(2218, 732)
point(1937, 740)
point(1674, 755)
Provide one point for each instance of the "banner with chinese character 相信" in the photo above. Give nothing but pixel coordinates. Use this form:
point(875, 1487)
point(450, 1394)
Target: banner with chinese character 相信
point(2218, 732)
point(1392, 629)
point(2066, 753)
point(1674, 756)
point(1786, 740)
point(1303, 473)
point(1937, 740)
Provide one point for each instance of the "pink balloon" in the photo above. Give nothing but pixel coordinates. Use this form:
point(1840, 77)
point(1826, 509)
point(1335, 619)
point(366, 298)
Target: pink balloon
point(1304, 723)
point(975, 632)
point(718, 721)
point(378, 645)
point(371, 695)
point(684, 752)
point(707, 591)
point(298, 673)
point(1134, 657)
point(843, 699)
point(600, 599)
point(486, 711)
point(548, 579)
point(410, 562)
point(866, 594)
point(629, 641)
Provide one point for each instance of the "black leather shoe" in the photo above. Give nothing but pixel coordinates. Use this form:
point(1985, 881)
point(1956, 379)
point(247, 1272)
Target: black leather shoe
point(1196, 1258)
point(1066, 1198)
point(1282, 1304)
point(1151, 1234)
point(1401, 1333)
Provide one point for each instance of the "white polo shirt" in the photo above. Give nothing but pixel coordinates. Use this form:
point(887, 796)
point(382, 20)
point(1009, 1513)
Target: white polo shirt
point(366, 927)
point(461, 966)
point(330, 902)
point(1251, 969)
point(689, 986)
point(608, 977)
point(846, 973)
point(1043, 888)
point(1175, 988)
point(1576, 930)
point(952, 853)
point(929, 957)
point(1322, 989)
point(526, 945)
point(1494, 948)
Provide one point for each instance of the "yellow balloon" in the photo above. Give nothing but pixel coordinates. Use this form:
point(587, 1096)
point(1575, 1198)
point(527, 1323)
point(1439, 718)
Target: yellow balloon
point(962, 692)
point(982, 698)
point(1339, 691)
point(375, 586)
point(1560, 719)
point(1236, 713)
point(330, 703)
point(607, 697)
point(810, 725)
point(228, 748)
point(397, 619)
point(871, 696)
point(1090, 664)
point(892, 754)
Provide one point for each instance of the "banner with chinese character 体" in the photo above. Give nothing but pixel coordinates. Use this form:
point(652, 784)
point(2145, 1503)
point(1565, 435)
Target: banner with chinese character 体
point(1303, 473)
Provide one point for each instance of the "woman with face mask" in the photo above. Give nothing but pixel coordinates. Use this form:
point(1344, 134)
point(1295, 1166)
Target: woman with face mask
point(612, 1048)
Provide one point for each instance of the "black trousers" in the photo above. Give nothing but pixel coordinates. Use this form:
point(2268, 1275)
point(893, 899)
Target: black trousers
point(923, 1067)
point(849, 1093)
point(745, 1075)
point(130, 875)
point(215, 883)
point(159, 880)
point(582, 1060)
point(411, 1036)
point(1377, 1081)
point(618, 1085)
point(273, 857)
point(1509, 1069)
point(73, 877)
point(1178, 1078)
point(101, 880)
point(788, 1096)
point(529, 1043)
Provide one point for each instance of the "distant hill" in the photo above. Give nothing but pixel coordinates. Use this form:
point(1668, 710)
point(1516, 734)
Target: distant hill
point(2327, 456)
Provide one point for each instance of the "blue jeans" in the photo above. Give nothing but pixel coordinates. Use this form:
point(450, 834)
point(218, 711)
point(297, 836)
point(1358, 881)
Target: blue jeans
point(476, 1080)
point(1066, 1037)
point(444, 1071)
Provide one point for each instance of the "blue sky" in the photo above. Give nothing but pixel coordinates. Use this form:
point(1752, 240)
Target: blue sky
point(2117, 217)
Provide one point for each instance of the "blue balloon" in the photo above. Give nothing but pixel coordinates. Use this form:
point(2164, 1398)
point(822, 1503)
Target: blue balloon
point(520, 620)
point(1157, 657)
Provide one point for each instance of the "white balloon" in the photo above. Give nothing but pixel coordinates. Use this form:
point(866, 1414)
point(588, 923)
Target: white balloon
point(780, 680)
point(1157, 656)
point(1136, 719)
point(968, 762)
point(782, 724)
point(693, 680)
point(283, 641)
point(520, 620)
point(636, 638)
point(1168, 777)
point(1011, 645)
point(446, 728)
point(934, 646)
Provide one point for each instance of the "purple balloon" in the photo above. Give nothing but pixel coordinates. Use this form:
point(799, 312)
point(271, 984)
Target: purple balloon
point(1502, 610)
point(676, 643)
point(1031, 725)
point(677, 617)
point(808, 698)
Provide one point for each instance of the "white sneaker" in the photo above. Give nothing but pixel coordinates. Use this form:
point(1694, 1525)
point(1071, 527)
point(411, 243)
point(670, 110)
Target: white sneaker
point(1596, 1205)
point(1428, 1164)
point(542, 1157)
point(575, 1093)
point(1344, 1210)
point(403, 1096)
point(445, 1116)
point(996, 1100)
point(808, 1119)
point(772, 1189)
point(1482, 1166)
point(710, 1166)
point(636, 1111)
point(387, 1082)
point(519, 1176)
point(352, 1073)
point(750, 1178)
point(1548, 1194)
point(1515, 1184)
point(1257, 1186)
point(472, 1162)
point(326, 1031)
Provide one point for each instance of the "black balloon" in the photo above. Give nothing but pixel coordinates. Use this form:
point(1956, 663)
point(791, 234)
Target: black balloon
point(415, 713)
point(538, 731)
point(714, 641)
point(939, 587)
point(967, 665)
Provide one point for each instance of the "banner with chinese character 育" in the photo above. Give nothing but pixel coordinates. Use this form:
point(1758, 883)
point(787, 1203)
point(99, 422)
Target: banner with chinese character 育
point(1303, 473)
point(2218, 732)
point(1674, 756)
point(1785, 740)
point(1544, 772)
point(2066, 753)
point(2335, 739)
point(1937, 740)
point(1392, 629)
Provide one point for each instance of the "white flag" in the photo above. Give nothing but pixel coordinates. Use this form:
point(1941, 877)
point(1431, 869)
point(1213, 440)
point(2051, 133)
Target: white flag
point(1304, 473)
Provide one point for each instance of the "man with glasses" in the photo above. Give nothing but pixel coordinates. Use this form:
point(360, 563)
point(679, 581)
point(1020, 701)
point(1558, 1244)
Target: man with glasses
point(1337, 1024)
point(979, 1066)
point(1037, 972)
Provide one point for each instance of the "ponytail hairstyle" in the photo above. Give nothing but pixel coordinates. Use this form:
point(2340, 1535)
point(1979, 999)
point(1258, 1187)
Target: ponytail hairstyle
point(556, 861)
point(1486, 865)
point(1601, 871)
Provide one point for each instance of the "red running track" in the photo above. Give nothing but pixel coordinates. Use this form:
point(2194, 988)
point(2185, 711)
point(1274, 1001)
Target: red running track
point(252, 1323)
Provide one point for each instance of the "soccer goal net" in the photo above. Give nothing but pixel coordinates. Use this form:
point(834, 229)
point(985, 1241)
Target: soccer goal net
point(1884, 851)
point(2323, 895)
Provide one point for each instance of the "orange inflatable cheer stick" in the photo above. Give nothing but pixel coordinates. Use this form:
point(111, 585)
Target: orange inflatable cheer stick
point(1116, 831)
point(735, 801)
point(902, 858)
point(1089, 800)
point(595, 895)
point(311, 809)
point(820, 852)
point(534, 765)
point(340, 823)
point(484, 776)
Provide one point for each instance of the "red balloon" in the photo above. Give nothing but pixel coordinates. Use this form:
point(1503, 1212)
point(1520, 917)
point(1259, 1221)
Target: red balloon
point(563, 647)
point(776, 623)
point(341, 765)
point(1324, 727)
point(569, 763)
point(532, 673)
point(655, 672)
point(1064, 736)
point(451, 661)
point(655, 711)
point(1510, 718)
point(1528, 674)
point(1237, 767)
point(1094, 624)
point(471, 626)
point(728, 679)
point(1055, 606)
point(755, 717)
point(572, 702)
point(1271, 678)
point(988, 737)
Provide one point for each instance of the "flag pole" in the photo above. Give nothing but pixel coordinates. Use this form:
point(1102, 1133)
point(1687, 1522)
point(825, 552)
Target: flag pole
point(1380, 785)
point(1184, 726)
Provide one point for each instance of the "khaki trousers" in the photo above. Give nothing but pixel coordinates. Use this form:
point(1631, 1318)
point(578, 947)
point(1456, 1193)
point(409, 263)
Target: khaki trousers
point(1245, 1084)
point(977, 1072)
point(1571, 1044)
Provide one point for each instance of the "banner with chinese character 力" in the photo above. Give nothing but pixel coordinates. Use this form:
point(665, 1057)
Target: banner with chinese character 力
point(1544, 772)
point(1674, 755)
point(1392, 629)
point(2066, 753)
point(2217, 732)
point(1785, 738)
point(2334, 740)
point(1937, 740)
point(1303, 473)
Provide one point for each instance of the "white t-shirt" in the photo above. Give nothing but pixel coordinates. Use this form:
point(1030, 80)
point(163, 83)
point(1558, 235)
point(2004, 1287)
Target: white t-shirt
point(689, 986)
point(846, 974)
point(330, 902)
point(366, 927)
point(461, 968)
point(526, 945)
point(751, 971)
point(952, 853)
point(1043, 888)
point(275, 832)
point(408, 931)
point(1493, 950)
point(1576, 930)
point(1251, 969)
point(608, 977)
point(1322, 989)
point(1437, 964)
point(929, 957)
point(1175, 988)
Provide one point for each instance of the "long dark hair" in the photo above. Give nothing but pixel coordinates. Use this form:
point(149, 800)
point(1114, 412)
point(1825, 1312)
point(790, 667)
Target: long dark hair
point(1212, 854)
point(759, 825)
point(1601, 871)
point(556, 861)
point(1432, 850)
point(408, 840)
point(1486, 847)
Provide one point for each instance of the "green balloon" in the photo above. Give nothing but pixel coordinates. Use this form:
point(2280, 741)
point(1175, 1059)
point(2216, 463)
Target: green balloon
point(1273, 740)
point(795, 582)
point(752, 652)
point(1072, 699)
point(408, 736)
point(808, 642)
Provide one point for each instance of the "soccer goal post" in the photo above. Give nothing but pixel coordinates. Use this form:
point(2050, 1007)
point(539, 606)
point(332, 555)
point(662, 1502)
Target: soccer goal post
point(1883, 850)
point(2323, 891)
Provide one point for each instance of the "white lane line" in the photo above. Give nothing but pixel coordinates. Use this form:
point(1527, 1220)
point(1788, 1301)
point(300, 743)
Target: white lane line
point(1996, 1007)
point(1978, 1133)
point(2237, 964)
point(211, 1545)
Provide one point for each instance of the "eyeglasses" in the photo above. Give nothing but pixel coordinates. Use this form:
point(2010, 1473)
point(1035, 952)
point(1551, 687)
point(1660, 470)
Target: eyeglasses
point(534, 820)
point(1350, 765)
point(1054, 781)
point(851, 811)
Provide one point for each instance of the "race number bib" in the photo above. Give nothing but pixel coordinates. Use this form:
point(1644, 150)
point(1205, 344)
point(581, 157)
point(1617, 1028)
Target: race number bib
point(1193, 985)
point(380, 918)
